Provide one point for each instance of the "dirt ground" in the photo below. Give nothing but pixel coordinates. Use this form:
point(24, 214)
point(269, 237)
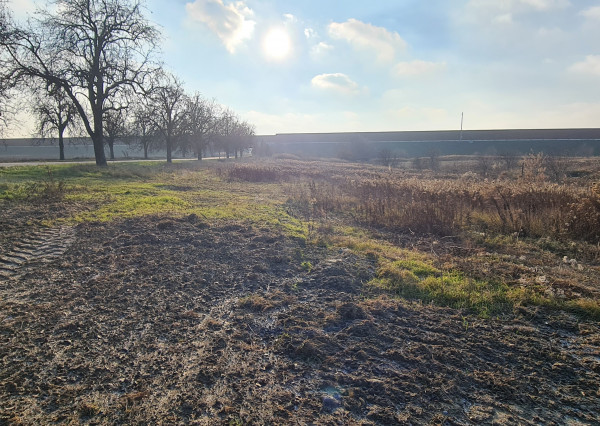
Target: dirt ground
point(174, 321)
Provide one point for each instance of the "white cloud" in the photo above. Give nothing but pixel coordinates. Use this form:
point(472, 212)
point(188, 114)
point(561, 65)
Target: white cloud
point(417, 68)
point(364, 36)
point(590, 66)
point(230, 22)
point(337, 82)
point(592, 13)
point(289, 17)
point(320, 50)
point(309, 33)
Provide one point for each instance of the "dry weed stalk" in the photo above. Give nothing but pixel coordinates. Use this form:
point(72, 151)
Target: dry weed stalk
point(397, 201)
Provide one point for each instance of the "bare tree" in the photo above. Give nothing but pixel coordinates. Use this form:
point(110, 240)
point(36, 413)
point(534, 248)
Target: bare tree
point(244, 135)
point(143, 131)
point(7, 80)
point(169, 111)
point(225, 130)
point(94, 50)
point(233, 135)
point(115, 126)
point(55, 113)
point(201, 123)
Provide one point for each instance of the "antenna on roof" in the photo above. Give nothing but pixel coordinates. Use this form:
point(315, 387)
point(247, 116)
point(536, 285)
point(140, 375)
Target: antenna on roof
point(461, 124)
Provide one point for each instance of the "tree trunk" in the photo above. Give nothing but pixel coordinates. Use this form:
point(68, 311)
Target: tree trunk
point(98, 141)
point(98, 135)
point(199, 155)
point(169, 148)
point(145, 151)
point(111, 147)
point(61, 145)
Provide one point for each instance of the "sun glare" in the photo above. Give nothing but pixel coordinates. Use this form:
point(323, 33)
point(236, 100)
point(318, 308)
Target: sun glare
point(277, 44)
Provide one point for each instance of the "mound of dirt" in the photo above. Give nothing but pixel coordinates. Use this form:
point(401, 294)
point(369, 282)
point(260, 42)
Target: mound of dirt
point(158, 320)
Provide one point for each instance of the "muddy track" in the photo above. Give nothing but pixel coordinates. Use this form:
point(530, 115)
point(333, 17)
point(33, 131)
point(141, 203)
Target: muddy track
point(36, 248)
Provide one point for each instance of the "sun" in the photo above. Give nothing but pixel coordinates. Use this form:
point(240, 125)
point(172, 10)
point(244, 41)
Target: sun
point(277, 44)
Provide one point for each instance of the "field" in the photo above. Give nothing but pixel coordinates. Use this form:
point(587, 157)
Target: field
point(289, 291)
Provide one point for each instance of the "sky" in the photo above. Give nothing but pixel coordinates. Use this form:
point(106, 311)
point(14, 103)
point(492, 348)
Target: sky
point(386, 65)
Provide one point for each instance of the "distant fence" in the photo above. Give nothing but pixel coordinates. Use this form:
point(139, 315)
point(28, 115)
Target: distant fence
point(50, 152)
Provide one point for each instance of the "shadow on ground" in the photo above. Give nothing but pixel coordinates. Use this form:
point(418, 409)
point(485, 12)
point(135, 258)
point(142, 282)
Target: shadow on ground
point(158, 320)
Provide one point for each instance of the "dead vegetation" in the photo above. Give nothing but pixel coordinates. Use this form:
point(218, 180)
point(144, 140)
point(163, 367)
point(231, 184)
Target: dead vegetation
point(504, 221)
point(366, 317)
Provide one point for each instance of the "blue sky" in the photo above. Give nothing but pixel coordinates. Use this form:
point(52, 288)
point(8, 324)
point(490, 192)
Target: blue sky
point(328, 65)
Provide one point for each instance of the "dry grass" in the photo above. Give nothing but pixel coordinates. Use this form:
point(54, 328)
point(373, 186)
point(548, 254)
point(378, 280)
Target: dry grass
point(482, 214)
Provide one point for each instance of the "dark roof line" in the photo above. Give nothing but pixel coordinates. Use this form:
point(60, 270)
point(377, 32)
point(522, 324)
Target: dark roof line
point(596, 129)
point(442, 135)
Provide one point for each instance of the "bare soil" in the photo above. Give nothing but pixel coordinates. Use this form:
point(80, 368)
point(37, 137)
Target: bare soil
point(172, 321)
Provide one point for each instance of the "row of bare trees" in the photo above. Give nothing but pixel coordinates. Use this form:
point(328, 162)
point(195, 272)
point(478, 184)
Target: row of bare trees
point(92, 67)
point(168, 118)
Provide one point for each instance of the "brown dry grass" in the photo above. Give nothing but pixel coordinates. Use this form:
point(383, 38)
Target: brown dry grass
point(445, 203)
point(522, 215)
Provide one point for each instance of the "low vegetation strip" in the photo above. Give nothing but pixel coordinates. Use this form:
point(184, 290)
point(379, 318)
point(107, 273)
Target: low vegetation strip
point(261, 292)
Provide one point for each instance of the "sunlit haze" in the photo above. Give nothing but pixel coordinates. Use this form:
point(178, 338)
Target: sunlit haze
point(312, 66)
point(277, 44)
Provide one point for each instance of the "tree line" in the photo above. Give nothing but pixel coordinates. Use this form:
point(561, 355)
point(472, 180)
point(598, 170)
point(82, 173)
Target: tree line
point(92, 68)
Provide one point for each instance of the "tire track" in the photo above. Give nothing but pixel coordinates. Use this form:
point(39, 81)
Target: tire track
point(41, 246)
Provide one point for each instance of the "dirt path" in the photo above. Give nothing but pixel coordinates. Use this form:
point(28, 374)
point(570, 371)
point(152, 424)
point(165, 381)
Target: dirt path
point(43, 245)
point(164, 321)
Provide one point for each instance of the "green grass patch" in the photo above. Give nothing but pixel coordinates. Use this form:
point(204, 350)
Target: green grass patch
point(589, 308)
point(413, 275)
point(416, 280)
point(125, 190)
point(137, 206)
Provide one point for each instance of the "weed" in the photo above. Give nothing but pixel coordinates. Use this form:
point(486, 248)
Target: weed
point(235, 421)
point(307, 266)
point(465, 323)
